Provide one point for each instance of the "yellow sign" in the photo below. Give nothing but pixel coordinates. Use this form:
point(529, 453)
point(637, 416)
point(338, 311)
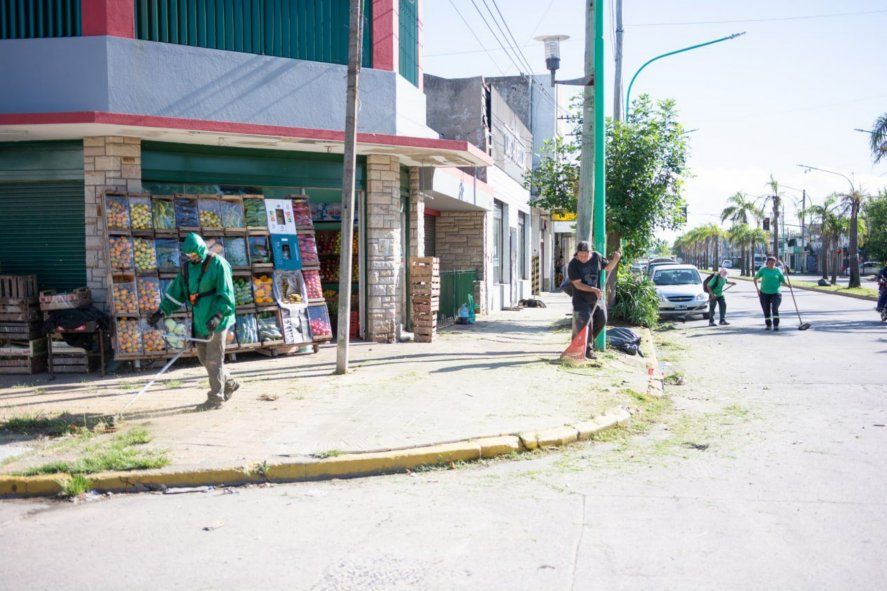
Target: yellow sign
point(563, 217)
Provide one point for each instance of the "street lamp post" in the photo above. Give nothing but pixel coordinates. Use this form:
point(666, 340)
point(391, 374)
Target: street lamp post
point(664, 55)
point(854, 229)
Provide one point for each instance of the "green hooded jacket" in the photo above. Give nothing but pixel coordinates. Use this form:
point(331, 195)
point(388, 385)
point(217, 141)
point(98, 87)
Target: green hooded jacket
point(217, 277)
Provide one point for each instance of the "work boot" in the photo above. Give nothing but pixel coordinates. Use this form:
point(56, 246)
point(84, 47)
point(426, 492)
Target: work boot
point(768, 327)
point(776, 327)
point(589, 354)
point(724, 323)
point(711, 323)
point(231, 387)
point(212, 402)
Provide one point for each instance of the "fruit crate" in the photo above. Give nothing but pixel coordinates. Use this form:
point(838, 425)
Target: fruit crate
point(26, 365)
point(20, 331)
point(72, 360)
point(210, 214)
point(236, 253)
point(15, 288)
point(268, 326)
point(187, 214)
point(50, 299)
point(117, 216)
point(163, 214)
point(319, 321)
point(141, 217)
point(254, 214)
point(231, 211)
point(19, 312)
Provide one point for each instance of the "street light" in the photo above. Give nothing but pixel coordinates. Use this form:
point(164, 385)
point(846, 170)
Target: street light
point(659, 57)
point(552, 45)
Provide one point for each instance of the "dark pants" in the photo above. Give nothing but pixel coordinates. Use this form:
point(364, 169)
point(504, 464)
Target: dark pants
point(882, 299)
point(582, 315)
point(722, 307)
point(770, 304)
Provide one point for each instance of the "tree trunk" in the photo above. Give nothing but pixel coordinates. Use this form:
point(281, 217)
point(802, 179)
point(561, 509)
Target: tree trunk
point(835, 262)
point(854, 241)
point(614, 243)
point(717, 259)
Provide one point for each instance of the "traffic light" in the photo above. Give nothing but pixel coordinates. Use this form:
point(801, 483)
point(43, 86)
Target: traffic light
point(766, 224)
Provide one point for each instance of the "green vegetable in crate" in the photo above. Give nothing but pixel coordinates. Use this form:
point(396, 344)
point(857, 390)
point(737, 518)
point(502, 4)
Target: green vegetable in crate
point(268, 328)
point(164, 215)
point(235, 251)
point(232, 214)
point(243, 292)
point(210, 219)
point(176, 333)
point(247, 332)
point(254, 213)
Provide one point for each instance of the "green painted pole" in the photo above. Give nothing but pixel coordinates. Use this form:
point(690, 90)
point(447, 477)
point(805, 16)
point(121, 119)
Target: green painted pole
point(600, 162)
point(659, 57)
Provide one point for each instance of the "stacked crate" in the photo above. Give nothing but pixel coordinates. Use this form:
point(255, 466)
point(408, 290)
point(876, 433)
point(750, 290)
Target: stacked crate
point(22, 346)
point(425, 296)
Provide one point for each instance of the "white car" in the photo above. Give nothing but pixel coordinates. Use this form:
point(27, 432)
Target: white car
point(680, 291)
point(727, 264)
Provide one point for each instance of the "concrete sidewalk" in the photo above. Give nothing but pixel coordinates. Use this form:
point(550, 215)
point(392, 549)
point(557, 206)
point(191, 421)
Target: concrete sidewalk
point(498, 376)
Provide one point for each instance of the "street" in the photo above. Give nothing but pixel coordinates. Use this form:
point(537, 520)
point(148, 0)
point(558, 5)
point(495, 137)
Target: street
point(765, 471)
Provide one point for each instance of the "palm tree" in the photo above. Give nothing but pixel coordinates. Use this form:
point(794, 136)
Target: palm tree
point(776, 199)
point(713, 234)
point(851, 203)
point(830, 230)
point(878, 138)
point(738, 237)
point(757, 236)
point(741, 210)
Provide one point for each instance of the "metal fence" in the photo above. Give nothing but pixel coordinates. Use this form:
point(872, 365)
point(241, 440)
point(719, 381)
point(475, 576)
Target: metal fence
point(33, 19)
point(455, 287)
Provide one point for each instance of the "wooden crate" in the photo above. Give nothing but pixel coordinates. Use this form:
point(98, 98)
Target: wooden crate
point(14, 288)
point(32, 348)
point(52, 300)
point(22, 364)
point(20, 331)
point(75, 362)
point(21, 312)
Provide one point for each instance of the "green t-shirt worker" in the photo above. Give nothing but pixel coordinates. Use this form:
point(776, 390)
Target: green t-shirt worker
point(772, 280)
point(206, 283)
point(714, 286)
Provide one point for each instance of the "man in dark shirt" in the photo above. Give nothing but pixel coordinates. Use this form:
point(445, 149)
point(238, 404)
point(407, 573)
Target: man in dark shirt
point(584, 273)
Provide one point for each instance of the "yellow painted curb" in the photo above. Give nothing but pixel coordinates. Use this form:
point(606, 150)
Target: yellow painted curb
point(608, 420)
point(490, 447)
point(528, 441)
point(32, 486)
point(557, 436)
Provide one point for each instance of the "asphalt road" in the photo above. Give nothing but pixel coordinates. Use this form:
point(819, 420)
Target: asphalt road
point(767, 472)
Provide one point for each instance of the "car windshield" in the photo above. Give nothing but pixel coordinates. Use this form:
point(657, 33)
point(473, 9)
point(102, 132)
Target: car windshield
point(676, 277)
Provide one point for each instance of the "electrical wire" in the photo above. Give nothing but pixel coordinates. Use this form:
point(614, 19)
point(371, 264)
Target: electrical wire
point(761, 20)
point(539, 23)
point(515, 62)
point(514, 42)
point(479, 42)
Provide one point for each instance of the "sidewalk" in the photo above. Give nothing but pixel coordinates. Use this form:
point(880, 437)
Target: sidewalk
point(498, 376)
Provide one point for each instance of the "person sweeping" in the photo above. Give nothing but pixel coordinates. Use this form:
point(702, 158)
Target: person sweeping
point(772, 281)
point(714, 286)
point(205, 281)
point(589, 304)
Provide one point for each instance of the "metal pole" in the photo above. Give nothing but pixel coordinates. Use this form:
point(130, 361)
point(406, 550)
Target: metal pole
point(600, 163)
point(659, 57)
point(355, 43)
point(776, 227)
point(585, 204)
point(803, 224)
point(617, 78)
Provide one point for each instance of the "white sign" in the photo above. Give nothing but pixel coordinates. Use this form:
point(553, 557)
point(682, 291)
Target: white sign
point(280, 216)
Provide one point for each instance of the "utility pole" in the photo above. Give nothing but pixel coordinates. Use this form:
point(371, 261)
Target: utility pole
point(617, 78)
point(600, 168)
point(803, 228)
point(586, 204)
point(776, 227)
point(355, 43)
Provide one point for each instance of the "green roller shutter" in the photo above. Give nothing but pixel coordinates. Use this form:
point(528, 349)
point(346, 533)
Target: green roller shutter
point(43, 232)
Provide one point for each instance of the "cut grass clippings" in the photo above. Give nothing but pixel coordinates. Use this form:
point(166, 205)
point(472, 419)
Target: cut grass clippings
point(121, 453)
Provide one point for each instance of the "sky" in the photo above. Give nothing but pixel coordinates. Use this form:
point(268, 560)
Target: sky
point(790, 91)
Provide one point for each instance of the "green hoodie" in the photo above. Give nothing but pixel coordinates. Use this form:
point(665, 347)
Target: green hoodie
point(217, 277)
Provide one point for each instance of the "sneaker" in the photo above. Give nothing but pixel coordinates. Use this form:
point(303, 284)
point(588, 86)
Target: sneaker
point(724, 323)
point(775, 328)
point(231, 387)
point(711, 323)
point(768, 327)
point(589, 354)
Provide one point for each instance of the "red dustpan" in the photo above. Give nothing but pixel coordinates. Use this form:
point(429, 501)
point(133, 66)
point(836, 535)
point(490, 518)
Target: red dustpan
point(576, 350)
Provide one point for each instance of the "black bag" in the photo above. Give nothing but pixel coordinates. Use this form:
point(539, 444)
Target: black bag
point(624, 339)
point(567, 287)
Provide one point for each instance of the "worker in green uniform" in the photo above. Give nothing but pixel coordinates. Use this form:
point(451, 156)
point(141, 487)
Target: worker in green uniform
point(772, 280)
point(714, 286)
point(205, 282)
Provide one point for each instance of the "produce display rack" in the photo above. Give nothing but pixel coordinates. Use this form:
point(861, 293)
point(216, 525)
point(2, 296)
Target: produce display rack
point(22, 346)
point(164, 226)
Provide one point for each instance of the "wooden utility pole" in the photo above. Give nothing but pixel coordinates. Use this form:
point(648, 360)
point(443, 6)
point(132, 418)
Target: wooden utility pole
point(617, 78)
point(355, 43)
point(585, 206)
point(775, 227)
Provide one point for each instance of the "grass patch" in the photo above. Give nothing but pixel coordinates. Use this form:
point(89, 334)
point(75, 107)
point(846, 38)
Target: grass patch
point(121, 453)
point(328, 453)
point(54, 426)
point(868, 292)
point(75, 486)
point(674, 379)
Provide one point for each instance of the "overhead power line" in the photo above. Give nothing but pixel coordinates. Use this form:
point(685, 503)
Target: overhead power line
point(479, 42)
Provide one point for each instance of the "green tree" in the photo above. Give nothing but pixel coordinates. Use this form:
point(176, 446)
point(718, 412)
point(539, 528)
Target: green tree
point(738, 236)
point(878, 138)
point(741, 210)
point(831, 227)
point(852, 204)
point(875, 215)
point(646, 163)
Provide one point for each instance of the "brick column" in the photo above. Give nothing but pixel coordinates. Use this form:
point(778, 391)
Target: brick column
point(462, 243)
point(109, 163)
point(417, 216)
point(384, 255)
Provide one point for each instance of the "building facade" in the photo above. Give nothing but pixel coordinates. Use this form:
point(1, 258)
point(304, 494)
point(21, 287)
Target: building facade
point(209, 96)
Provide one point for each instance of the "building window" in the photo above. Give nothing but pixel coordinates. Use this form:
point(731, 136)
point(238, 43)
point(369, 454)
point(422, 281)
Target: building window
point(498, 241)
point(523, 240)
point(430, 235)
point(409, 41)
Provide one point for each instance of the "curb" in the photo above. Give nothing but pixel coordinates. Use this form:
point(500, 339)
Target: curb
point(827, 292)
point(352, 465)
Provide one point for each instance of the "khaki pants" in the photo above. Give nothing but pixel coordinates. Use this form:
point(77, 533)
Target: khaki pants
point(212, 357)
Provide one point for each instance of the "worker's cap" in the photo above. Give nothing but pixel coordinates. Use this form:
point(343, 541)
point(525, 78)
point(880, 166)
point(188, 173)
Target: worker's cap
point(722, 271)
point(583, 246)
point(771, 258)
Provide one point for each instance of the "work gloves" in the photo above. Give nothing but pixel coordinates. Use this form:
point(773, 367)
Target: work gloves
point(213, 323)
point(155, 318)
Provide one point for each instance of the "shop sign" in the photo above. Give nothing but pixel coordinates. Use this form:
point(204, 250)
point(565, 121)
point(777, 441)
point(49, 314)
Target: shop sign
point(285, 252)
point(557, 216)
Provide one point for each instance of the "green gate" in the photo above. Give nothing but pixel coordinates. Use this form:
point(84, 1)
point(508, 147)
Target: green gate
point(455, 287)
